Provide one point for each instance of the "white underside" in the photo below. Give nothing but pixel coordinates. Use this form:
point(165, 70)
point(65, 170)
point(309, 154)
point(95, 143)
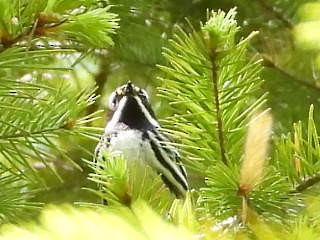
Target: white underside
point(129, 143)
point(139, 154)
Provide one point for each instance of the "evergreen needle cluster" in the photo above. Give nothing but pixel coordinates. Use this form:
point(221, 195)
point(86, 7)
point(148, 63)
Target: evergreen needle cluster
point(39, 106)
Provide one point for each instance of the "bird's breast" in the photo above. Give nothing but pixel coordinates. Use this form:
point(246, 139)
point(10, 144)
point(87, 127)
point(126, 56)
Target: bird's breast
point(130, 144)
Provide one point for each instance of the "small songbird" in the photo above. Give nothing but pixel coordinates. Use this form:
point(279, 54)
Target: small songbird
point(134, 132)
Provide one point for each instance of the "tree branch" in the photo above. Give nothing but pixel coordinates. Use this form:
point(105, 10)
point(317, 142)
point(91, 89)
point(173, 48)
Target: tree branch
point(217, 107)
point(32, 134)
point(267, 62)
point(101, 80)
point(38, 27)
point(307, 184)
point(276, 13)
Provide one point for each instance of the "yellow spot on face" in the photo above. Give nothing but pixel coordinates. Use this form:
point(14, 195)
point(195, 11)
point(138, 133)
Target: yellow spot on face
point(137, 89)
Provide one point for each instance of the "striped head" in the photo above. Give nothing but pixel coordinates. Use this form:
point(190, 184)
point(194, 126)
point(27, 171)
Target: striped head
point(130, 106)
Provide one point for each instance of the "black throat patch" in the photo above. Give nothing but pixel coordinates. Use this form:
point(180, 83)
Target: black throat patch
point(133, 116)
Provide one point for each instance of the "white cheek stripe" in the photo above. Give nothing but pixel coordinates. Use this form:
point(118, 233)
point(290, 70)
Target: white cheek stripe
point(116, 116)
point(146, 112)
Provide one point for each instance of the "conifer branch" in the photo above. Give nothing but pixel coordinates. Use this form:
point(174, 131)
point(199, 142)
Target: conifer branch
point(37, 29)
point(121, 183)
point(67, 27)
point(15, 197)
point(31, 134)
point(211, 80)
point(216, 102)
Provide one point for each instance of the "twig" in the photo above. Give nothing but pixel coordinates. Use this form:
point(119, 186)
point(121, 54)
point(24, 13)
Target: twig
point(23, 134)
point(307, 183)
point(101, 80)
point(269, 63)
point(217, 106)
point(36, 28)
point(278, 14)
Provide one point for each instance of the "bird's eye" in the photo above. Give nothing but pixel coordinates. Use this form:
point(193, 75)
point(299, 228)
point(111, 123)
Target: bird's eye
point(143, 95)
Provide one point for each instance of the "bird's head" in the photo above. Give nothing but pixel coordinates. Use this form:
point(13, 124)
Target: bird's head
point(130, 105)
point(128, 90)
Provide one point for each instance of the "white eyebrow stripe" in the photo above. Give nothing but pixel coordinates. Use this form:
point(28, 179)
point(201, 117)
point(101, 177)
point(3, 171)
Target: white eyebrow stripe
point(146, 112)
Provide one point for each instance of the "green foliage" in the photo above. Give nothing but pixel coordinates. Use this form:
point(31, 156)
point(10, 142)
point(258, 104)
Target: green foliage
point(215, 90)
point(123, 183)
point(40, 43)
point(297, 154)
point(144, 30)
point(223, 183)
point(182, 213)
point(281, 202)
point(61, 6)
point(116, 223)
point(19, 58)
point(25, 20)
point(92, 28)
point(213, 85)
point(140, 222)
point(37, 115)
point(13, 204)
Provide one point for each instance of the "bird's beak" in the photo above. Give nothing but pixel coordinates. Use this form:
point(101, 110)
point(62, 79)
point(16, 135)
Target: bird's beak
point(129, 90)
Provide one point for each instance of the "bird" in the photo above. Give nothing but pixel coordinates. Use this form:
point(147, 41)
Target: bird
point(134, 132)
